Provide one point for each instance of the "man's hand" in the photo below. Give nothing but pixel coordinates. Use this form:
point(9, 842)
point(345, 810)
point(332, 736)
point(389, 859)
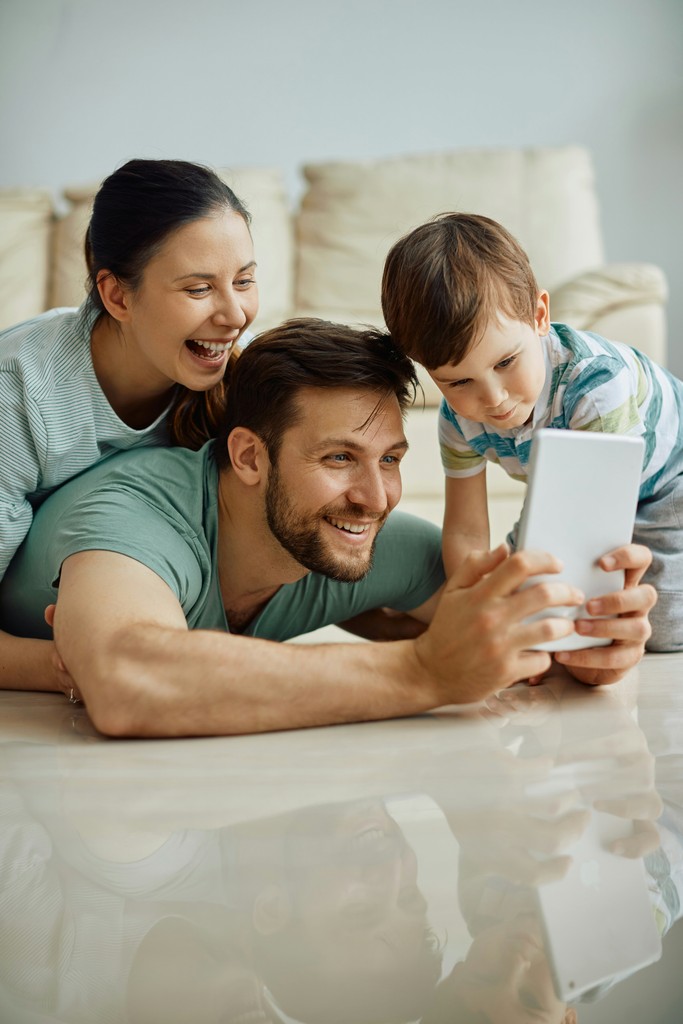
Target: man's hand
point(628, 628)
point(478, 642)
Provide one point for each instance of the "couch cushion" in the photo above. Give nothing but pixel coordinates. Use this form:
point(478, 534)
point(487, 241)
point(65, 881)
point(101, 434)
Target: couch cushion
point(263, 192)
point(352, 213)
point(25, 223)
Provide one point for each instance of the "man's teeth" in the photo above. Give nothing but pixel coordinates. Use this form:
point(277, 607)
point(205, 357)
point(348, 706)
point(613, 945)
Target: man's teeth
point(351, 527)
point(213, 346)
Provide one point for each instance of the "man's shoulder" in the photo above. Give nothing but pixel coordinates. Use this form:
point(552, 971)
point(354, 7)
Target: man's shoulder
point(155, 476)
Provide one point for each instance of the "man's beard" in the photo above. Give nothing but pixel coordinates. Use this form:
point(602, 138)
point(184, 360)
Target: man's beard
point(301, 537)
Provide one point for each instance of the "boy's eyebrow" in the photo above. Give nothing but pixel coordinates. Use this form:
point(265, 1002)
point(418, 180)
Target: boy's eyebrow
point(212, 277)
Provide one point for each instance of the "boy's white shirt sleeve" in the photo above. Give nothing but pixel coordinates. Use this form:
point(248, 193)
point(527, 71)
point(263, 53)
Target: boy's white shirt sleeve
point(457, 457)
point(612, 407)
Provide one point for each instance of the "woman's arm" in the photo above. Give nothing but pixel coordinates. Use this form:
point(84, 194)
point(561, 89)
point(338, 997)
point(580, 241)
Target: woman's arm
point(31, 665)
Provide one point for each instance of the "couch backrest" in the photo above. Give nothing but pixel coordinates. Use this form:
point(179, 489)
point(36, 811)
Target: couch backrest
point(352, 213)
point(41, 255)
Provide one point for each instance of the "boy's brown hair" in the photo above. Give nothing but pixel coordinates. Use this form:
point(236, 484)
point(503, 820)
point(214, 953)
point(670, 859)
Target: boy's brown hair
point(447, 279)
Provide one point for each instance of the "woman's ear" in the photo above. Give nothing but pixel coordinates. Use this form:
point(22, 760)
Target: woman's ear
point(248, 456)
point(115, 298)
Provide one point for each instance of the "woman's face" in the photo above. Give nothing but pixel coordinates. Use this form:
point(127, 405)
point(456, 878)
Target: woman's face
point(197, 296)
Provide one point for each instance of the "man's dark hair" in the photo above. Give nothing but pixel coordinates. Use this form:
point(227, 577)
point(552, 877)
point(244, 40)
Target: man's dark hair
point(276, 366)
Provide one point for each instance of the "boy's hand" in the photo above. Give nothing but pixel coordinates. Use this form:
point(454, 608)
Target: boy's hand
point(628, 628)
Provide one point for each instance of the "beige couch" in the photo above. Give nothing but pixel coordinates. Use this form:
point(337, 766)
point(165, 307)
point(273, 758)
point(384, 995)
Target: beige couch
point(325, 259)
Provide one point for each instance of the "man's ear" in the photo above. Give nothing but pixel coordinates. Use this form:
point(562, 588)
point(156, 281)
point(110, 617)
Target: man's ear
point(272, 910)
point(542, 316)
point(248, 456)
point(115, 299)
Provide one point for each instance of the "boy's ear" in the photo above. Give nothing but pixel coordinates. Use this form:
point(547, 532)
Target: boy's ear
point(543, 313)
point(248, 456)
point(114, 297)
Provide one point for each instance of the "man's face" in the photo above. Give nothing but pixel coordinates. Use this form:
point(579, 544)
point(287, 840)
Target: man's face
point(335, 480)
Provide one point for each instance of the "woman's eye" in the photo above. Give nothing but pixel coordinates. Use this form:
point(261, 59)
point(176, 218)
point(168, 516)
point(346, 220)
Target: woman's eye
point(244, 282)
point(203, 290)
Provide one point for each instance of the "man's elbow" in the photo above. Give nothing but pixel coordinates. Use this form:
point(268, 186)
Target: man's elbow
point(113, 687)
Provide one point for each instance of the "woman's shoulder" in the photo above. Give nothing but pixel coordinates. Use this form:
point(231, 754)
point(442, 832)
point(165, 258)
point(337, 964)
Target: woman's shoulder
point(50, 346)
point(52, 326)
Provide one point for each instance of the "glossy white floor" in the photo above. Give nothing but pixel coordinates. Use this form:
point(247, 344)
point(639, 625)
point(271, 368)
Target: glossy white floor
point(446, 868)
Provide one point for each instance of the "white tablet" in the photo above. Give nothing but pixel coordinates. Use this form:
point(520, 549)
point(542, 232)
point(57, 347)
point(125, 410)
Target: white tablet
point(598, 920)
point(580, 504)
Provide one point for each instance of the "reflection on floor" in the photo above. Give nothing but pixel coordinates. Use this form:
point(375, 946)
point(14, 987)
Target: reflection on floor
point(520, 861)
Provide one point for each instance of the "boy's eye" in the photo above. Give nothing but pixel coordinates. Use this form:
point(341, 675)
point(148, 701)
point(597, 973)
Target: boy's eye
point(458, 383)
point(506, 362)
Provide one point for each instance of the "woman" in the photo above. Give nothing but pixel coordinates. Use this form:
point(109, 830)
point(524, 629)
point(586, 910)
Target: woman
point(142, 362)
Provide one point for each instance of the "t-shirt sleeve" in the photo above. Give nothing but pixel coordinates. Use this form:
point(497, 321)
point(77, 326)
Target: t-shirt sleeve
point(113, 521)
point(19, 466)
point(604, 395)
point(458, 458)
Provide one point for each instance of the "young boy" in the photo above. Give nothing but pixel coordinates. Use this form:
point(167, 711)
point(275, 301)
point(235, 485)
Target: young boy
point(459, 296)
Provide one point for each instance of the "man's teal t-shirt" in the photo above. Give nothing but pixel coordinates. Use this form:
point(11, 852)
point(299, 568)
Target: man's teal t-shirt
point(159, 506)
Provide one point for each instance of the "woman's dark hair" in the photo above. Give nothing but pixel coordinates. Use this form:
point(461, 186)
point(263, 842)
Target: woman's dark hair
point(266, 382)
point(135, 210)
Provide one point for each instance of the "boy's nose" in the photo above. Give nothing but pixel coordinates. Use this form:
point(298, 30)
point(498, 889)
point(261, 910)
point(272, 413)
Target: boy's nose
point(493, 394)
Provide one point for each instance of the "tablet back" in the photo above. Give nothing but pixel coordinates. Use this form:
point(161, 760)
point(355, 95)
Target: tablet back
point(581, 503)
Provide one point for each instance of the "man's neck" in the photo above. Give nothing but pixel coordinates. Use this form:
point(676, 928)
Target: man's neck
point(252, 565)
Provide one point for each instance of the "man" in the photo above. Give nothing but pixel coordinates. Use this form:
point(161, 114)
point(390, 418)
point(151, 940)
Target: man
point(153, 556)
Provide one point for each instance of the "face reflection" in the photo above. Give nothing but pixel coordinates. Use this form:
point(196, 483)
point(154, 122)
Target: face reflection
point(358, 918)
point(335, 480)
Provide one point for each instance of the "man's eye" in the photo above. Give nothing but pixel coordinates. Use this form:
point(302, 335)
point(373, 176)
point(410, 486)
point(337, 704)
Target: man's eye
point(338, 457)
point(391, 460)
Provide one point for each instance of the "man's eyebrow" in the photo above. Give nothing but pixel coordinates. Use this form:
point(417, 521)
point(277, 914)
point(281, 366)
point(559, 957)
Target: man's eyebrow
point(355, 446)
point(211, 277)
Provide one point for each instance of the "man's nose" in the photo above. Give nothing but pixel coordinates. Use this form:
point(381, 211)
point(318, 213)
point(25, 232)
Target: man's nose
point(369, 489)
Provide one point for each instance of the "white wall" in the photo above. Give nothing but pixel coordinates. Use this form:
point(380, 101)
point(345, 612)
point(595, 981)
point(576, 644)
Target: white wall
point(86, 84)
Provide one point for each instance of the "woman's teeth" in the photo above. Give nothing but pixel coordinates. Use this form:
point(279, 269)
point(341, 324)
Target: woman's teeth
point(212, 346)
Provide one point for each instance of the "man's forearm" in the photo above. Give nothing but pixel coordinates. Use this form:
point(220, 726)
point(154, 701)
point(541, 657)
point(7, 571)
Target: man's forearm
point(155, 681)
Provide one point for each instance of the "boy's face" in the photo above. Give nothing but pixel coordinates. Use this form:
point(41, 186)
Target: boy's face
point(501, 377)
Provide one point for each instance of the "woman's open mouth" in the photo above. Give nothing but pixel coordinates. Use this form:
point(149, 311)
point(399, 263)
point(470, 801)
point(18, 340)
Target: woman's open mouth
point(209, 351)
